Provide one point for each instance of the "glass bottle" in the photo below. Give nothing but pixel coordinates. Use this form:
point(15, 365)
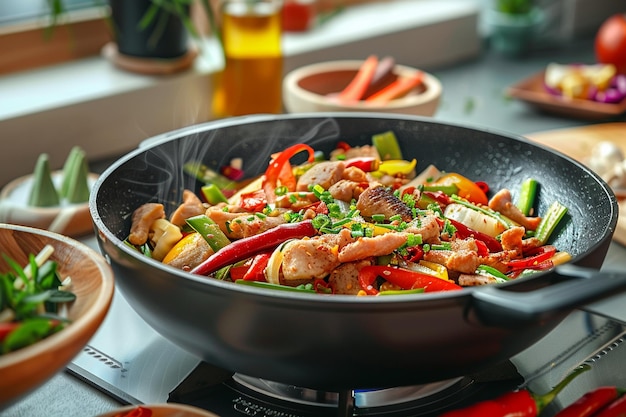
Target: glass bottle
point(251, 81)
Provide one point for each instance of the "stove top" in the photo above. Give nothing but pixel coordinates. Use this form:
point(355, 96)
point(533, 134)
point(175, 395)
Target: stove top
point(132, 363)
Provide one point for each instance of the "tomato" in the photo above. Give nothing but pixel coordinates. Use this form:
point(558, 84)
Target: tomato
point(298, 15)
point(610, 42)
point(468, 189)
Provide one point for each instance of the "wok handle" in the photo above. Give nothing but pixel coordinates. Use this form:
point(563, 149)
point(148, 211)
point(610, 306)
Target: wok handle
point(497, 306)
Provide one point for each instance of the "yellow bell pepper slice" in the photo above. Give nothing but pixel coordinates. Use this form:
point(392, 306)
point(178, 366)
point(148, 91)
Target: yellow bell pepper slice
point(397, 166)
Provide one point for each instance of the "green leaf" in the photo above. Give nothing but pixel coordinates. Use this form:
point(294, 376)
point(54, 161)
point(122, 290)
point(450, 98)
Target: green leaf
point(27, 333)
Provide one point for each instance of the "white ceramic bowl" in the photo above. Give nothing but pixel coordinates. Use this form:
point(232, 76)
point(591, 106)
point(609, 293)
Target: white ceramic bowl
point(307, 89)
point(67, 219)
point(24, 370)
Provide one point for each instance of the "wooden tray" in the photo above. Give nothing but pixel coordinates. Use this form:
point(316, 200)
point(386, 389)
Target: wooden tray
point(577, 143)
point(531, 90)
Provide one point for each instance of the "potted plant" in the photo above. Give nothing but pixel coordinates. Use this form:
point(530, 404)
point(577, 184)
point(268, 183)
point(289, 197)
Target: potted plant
point(513, 25)
point(149, 33)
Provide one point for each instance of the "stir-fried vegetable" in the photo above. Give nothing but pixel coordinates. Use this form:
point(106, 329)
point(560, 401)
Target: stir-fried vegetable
point(30, 300)
point(360, 223)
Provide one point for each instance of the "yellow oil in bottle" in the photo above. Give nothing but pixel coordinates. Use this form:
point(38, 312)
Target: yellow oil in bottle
point(252, 76)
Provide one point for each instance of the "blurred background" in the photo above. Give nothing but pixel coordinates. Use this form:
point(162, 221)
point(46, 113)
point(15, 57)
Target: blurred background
point(60, 86)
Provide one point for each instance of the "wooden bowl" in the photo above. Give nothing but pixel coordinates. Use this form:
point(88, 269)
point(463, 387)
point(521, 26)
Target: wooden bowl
point(24, 370)
point(164, 410)
point(311, 88)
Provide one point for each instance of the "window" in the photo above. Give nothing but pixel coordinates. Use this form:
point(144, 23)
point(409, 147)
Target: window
point(26, 40)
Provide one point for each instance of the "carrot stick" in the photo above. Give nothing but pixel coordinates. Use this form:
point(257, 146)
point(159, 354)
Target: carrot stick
point(396, 89)
point(357, 87)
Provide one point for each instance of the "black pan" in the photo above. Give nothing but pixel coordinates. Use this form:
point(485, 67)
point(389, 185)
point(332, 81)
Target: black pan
point(344, 342)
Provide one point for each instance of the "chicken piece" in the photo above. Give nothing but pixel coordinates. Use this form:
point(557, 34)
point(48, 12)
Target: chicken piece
point(142, 219)
point(498, 260)
point(346, 190)
point(463, 257)
point(296, 200)
point(427, 226)
point(345, 278)
point(366, 247)
point(324, 174)
point(473, 280)
point(242, 224)
point(355, 174)
point(511, 239)
point(503, 203)
point(307, 259)
point(190, 207)
point(379, 200)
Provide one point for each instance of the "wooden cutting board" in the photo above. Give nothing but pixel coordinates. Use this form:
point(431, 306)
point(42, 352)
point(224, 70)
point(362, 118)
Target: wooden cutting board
point(577, 143)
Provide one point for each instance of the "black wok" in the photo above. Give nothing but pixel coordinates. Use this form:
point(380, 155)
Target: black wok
point(344, 342)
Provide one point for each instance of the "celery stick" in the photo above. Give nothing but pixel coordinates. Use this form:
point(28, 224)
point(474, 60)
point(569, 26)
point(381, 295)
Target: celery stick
point(527, 196)
point(550, 221)
point(43, 192)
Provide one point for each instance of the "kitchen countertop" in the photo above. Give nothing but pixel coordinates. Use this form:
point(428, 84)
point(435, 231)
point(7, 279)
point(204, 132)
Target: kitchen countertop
point(473, 95)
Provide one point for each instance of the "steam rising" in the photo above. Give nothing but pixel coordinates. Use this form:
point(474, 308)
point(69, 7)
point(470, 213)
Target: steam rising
point(158, 174)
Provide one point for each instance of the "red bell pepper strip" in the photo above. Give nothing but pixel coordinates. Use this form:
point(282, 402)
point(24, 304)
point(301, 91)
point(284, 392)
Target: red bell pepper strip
point(464, 232)
point(358, 86)
point(256, 272)
point(590, 403)
point(616, 409)
point(365, 163)
point(253, 202)
point(403, 278)
point(521, 403)
point(396, 89)
point(279, 169)
point(537, 261)
point(245, 248)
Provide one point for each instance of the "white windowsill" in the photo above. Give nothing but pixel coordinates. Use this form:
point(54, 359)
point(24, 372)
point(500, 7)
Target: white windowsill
point(107, 110)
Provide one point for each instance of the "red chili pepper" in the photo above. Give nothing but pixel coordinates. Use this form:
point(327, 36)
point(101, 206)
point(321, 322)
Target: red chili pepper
point(254, 201)
point(136, 412)
point(537, 261)
point(616, 409)
point(365, 163)
point(279, 169)
point(590, 403)
point(464, 232)
point(403, 278)
point(245, 248)
point(520, 403)
point(513, 404)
